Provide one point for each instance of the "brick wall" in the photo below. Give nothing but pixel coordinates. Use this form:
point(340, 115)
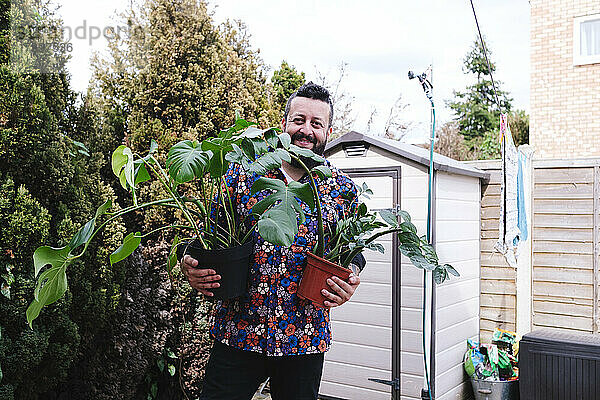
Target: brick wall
point(565, 99)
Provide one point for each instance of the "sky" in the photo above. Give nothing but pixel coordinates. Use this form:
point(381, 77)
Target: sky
point(379, 44)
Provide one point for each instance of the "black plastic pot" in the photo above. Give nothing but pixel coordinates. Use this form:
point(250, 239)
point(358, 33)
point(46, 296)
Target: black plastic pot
point(231, 263)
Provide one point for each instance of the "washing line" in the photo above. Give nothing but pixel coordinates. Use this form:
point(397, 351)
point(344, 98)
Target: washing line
point(427, 87)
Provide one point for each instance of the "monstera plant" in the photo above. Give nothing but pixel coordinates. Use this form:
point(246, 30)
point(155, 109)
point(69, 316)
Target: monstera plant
point(209, 218)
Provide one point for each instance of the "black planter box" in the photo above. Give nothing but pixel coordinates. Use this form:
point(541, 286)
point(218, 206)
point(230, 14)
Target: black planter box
point(559, 366)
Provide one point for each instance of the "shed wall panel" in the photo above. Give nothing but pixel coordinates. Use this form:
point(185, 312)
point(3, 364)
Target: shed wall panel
point(370, 335)
point(414, 191)
point(344, 391)
point(362, 328)
point(352, 375)
point(457, 225)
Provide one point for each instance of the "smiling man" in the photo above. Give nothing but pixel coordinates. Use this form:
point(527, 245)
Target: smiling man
point(308, 122)
point(270, 331)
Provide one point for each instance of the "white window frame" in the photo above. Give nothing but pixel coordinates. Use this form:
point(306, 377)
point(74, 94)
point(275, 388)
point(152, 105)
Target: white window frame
point(578, 59)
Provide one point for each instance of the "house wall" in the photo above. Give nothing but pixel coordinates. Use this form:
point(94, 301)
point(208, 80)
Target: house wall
point(564, 99)
point(457, 207)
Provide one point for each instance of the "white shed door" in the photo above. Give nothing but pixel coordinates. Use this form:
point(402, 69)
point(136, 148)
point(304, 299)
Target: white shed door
point(362, 328)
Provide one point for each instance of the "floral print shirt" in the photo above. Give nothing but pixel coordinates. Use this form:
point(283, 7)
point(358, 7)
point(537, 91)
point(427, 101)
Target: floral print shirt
point(270, 318)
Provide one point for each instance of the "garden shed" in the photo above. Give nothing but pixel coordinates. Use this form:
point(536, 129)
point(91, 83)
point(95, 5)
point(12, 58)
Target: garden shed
point(378, 334)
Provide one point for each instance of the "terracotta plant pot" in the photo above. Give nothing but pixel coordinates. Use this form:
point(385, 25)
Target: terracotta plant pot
point(231, 263)
point(315, 276)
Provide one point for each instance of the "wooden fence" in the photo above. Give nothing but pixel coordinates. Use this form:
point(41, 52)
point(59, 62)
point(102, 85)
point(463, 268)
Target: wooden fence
point(564, 251)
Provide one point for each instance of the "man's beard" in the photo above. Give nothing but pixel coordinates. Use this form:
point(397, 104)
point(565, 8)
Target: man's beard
point(318, 148)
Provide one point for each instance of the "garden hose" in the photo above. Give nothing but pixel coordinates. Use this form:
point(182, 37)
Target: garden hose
point(429, 212)
point(427, 88)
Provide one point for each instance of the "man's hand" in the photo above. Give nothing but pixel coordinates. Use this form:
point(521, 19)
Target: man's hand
point(341, 291)
point(199, 279)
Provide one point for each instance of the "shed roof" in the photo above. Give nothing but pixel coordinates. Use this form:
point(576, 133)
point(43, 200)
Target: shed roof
point(409, 151)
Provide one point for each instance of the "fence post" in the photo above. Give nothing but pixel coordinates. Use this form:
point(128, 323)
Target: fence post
point(525, 259)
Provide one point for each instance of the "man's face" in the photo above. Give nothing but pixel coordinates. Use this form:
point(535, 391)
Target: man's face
point(308, 123)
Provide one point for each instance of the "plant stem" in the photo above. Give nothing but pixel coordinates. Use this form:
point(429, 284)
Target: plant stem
point(208, 210)
point(360, 248)
point(164, 228)
point(117, 215)
point(182, 206)
point(218, 207)
point(320, 230)
point(231, 212)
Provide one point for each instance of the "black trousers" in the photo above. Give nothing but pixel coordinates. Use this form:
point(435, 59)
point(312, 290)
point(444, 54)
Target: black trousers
point(233, 374)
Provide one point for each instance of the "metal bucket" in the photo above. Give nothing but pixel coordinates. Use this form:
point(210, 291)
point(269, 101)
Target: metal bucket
point(495, 390)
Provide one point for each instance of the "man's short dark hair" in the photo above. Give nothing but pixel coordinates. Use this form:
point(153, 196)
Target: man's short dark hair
point(311, 90)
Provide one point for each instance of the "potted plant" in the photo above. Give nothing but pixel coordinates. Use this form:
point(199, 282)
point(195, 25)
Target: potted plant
point(359, 231)
point(210, 230)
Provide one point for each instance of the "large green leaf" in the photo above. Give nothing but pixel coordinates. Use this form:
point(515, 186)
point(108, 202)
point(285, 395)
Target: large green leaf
point(277, 226)
point(283, 193)
point(303, 192)
point(130, 243)
point(51, 286)
point(217, 164)
point(301, 151)
point(187, 160)
point(322, 171)
point(122, 166)
point(285, 140)
point(389, 217)
point(84, 233)
point(264, 163)
point(279, 210)
point(45, 255)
